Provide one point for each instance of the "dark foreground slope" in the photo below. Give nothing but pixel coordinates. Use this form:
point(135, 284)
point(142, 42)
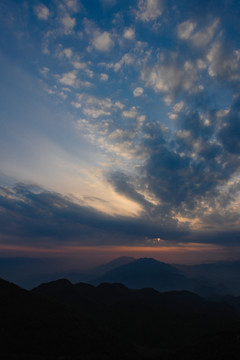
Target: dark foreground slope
point(170, 325)
point(32, 327)
point(60, 320)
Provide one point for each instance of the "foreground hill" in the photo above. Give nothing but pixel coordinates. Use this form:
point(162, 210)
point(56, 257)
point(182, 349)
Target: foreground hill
point(60, 320)
point(177, 324)
point(33, 327)
point(106, 295)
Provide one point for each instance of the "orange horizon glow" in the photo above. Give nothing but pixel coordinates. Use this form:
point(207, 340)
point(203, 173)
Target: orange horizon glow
point(186, 253)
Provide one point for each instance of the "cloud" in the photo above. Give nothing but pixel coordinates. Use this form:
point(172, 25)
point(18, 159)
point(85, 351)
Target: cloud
point(188, 174)
point(102, 41)
point(196, 172)
point(30, 214)
point(138, 91)
point(100, 125)
point(72, 5)
point(180, 163)
point(224, 62)
point(104, 77)
point(69, 79)
point(201, 37)
point(42, 12)
point(90, 100)
point(178, 106)
point(185, 29)
point(205, 35)
point(131, 114)
point(149, 10)
point(129, 34)
point(127, 59)
point(123, 184)
point(75, 104)
point(68, 53)
point(95, 113)
point(80, 65)
point(89, 73)
point(171, 78)
point(44, 71)
point(68, 23)
point(94, 107)
point(141, 118)
point(119, 105)
point(229, 133)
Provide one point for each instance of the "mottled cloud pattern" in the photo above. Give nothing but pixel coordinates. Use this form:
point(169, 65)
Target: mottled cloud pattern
point(152, 87)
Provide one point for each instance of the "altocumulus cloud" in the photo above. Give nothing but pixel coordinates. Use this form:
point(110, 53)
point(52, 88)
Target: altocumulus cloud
point(153, 86)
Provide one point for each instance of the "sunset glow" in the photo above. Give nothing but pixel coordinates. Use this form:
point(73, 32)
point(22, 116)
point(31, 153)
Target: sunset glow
point(120, 129)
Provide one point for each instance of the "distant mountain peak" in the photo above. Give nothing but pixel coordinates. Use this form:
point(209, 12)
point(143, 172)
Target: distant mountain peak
point(122, 260)
point(150, 260)
point(146, 273)
point(150, 264)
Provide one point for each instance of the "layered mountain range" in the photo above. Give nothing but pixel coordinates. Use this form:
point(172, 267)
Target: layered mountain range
point(61, 320)
point(209, 280)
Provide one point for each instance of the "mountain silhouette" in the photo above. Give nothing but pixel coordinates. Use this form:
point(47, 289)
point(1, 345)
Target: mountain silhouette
point(34, 327)
point(61, 320)
point(149, 319)
point(102, 269)
point(147, 272)
point(208, 280)
point(82, 296)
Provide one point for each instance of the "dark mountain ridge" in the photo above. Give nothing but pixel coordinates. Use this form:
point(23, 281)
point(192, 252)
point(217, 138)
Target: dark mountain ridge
point(34, 327)
point(106, 294)
point(208, 280)
point(110, 321)
point(148, 318)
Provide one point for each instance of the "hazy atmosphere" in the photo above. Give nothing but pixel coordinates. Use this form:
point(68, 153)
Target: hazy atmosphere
point(119, 131)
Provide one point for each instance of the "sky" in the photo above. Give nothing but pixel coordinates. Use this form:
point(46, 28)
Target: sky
point(120, 129)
